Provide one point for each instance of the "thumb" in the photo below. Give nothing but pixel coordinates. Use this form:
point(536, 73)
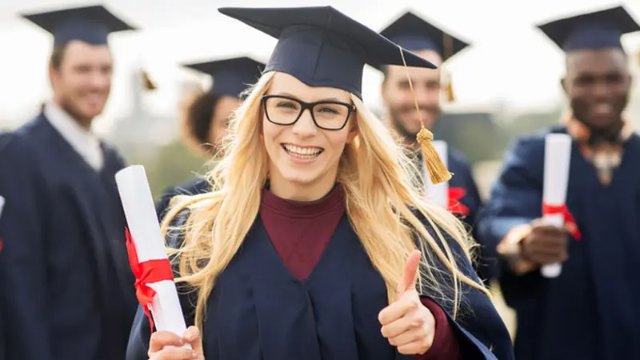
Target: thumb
point(192, 337)
point(409, 276)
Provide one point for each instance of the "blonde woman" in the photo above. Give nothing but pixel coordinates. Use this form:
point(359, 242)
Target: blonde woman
point(312, 244)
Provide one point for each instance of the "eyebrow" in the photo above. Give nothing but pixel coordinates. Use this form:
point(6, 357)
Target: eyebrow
point(325, 99)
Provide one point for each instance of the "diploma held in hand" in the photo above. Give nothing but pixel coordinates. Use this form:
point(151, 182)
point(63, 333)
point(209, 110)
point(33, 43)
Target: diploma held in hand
point(155, 287)
point(557, 157)
point(438, 193)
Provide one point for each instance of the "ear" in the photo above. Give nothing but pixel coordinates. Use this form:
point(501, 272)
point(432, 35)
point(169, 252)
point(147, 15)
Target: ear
point(53, 75)
point(354, 130)
point(383, 89)
point(563, 83)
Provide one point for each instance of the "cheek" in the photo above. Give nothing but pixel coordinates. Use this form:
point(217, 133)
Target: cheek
point(336, 144)
point(270, 134)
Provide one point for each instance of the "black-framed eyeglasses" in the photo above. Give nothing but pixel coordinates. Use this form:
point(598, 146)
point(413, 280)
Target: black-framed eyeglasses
point(327, 115)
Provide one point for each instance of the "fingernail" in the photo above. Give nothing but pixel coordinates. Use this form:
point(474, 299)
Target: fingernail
point(194, 355)
point(188, 337)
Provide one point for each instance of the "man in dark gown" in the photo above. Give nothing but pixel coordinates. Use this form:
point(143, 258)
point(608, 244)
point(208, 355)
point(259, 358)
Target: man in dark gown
point(67, 288)
point(590, 310)
point(415, 34)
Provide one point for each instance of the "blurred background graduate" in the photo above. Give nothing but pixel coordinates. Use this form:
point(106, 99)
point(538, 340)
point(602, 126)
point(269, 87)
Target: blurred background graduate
point(417, 35)
point(66, 282)
point(205, 116)
point(590, 311)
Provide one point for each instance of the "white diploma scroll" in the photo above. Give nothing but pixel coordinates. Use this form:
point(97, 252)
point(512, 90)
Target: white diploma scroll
point(140, 212)
point(557, 157)
point(438, 193)
point(1, 205)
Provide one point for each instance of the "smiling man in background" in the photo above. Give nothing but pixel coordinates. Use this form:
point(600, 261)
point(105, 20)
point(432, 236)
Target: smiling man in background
point(590, 311)
point(67, 287)
point(415, 34)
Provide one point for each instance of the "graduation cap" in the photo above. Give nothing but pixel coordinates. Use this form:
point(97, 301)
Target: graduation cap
point(230, 76)
point(415, 34)
point(321, 46)
point(596, 30)
point(91, 24)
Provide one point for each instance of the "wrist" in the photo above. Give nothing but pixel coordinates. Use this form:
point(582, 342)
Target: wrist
point(511, 249)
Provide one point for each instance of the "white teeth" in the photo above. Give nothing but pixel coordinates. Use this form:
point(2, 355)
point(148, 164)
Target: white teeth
point(302, 152)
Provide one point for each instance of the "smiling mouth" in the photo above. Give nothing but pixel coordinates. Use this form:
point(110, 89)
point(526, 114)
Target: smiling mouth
point(302, 152)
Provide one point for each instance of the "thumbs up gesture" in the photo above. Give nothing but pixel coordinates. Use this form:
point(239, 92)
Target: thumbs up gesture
point(406, 323)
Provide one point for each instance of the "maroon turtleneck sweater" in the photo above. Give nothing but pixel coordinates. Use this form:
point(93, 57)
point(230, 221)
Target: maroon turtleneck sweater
point(300, 231)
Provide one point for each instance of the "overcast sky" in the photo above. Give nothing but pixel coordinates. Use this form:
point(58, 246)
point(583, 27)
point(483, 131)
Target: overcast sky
point(509, 58)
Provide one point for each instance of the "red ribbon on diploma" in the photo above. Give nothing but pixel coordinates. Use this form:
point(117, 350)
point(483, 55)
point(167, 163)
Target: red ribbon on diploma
point(455, 206)
point(147, 272)
point(569, 221)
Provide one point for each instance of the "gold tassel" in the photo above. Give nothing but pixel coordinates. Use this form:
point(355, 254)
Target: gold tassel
point(450, 94)
point(438, 172)
point(148, 83)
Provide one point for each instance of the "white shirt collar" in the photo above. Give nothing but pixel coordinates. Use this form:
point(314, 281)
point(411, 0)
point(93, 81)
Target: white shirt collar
point(84, 142)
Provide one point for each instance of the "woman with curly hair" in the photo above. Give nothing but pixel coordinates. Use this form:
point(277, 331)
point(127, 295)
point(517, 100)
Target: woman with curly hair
point(205, 118)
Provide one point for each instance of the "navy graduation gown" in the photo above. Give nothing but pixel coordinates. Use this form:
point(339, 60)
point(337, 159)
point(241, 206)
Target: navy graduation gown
point(66, 281)
point(259, 310)
point(590, 311)
point(464, 189)
point(192, 187)
point(4, 139)
point(466, 204)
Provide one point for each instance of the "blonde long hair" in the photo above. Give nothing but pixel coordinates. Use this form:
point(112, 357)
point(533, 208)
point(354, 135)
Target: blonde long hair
point(377, 191)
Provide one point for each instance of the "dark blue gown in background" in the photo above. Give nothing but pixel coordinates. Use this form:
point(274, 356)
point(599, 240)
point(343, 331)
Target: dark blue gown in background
point(260, 311)
point(67, 287)
point(4, 140)
point(465, 202)
point(192, 187)
point(591, 310)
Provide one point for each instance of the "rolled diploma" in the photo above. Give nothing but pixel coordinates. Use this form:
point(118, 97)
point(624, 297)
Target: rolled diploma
point(139, 209)
point(557, 157)
point(1, 205)
point(438, 193)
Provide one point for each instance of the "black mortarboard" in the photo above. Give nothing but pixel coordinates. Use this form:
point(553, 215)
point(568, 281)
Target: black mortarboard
point(91, 24)
point(320, 46)
point(596, 30)
point(230, 76)
point(414, 33)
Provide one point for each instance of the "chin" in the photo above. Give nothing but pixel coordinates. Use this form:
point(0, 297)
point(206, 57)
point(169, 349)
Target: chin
point(300, 179)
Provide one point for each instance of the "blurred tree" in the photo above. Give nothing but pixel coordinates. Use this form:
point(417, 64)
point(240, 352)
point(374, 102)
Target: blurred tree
point(172, 165)
point(474, 134)
point(532, 122)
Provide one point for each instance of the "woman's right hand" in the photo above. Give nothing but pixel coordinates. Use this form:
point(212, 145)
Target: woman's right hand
point(165, 345)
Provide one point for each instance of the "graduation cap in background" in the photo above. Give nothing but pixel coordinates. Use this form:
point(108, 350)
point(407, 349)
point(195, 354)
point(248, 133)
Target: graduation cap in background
point(230, 76)
point(322, 47)
point(595, 30)
point(91, 24)
point(415, 34)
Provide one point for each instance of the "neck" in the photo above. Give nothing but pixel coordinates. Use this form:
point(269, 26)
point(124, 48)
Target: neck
point(289, 190)
point(84, 123)
point(610, 132)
